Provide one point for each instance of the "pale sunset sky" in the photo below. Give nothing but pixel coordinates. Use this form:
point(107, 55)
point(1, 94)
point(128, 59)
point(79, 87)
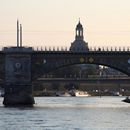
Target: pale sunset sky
point(53, 22)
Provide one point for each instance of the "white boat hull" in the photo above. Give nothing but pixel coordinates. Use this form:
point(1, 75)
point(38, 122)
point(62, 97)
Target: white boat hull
point(81, 94)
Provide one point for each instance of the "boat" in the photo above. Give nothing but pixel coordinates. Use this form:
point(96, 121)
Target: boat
point(127, 100)
point(63, 94)
point(78, 93)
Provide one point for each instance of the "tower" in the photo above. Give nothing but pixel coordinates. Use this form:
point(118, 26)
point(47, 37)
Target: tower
point(79, 31)
point(79, 45)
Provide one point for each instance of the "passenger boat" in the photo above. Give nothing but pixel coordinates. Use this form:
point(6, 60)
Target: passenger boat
point(78, 93)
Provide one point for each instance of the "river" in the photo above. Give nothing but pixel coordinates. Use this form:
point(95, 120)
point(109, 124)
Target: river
point(68, 113)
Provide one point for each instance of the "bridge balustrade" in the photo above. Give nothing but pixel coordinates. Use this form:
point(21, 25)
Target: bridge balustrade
point(67, 49)
point(50, 48)
point(111, 49)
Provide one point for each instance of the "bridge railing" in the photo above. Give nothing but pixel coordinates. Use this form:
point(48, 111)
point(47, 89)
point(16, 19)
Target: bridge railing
point(46, 48)
point(67, 49)
point(91, 49)
point(109, 48)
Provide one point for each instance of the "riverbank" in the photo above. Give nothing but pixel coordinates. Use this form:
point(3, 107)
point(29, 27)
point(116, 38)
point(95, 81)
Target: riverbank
point(62, 93)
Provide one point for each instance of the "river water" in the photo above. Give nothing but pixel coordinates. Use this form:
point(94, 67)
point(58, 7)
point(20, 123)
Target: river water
point(68, 113)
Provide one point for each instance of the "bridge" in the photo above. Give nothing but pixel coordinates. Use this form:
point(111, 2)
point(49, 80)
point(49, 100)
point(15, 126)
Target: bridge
point(125, 80)
point(20, 65)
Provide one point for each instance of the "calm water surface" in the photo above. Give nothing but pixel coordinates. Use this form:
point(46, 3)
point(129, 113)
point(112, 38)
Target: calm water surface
point(68, 113)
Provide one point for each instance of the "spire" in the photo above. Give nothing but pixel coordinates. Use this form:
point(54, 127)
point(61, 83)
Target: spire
point(20, 35)
point(79, 19)
point(17, 33)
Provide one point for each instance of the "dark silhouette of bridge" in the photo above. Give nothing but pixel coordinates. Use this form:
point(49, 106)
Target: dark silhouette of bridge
point(105, 79)
point(19, 65)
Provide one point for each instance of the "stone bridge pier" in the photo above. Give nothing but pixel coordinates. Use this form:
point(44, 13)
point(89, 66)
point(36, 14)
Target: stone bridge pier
point(18, 85)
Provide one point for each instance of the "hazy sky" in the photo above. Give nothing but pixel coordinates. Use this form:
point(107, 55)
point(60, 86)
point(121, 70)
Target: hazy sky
point(52, 22)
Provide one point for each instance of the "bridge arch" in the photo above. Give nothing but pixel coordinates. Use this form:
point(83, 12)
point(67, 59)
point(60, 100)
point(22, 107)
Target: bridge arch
point(63, 66)
point(48, 64)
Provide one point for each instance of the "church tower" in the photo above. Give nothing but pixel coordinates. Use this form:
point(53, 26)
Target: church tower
point(79, 31)
point(79, 45)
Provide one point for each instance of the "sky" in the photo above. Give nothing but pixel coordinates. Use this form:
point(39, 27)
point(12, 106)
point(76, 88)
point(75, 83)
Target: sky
point(53, 22)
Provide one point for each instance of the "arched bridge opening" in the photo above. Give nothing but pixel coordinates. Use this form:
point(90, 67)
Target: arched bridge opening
point(47, 62)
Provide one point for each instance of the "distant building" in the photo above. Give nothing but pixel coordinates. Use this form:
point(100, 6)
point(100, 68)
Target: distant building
point(110, 71)
point(79, 45)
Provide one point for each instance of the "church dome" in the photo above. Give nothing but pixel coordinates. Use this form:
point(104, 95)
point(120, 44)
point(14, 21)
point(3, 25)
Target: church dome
point(79, 45)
